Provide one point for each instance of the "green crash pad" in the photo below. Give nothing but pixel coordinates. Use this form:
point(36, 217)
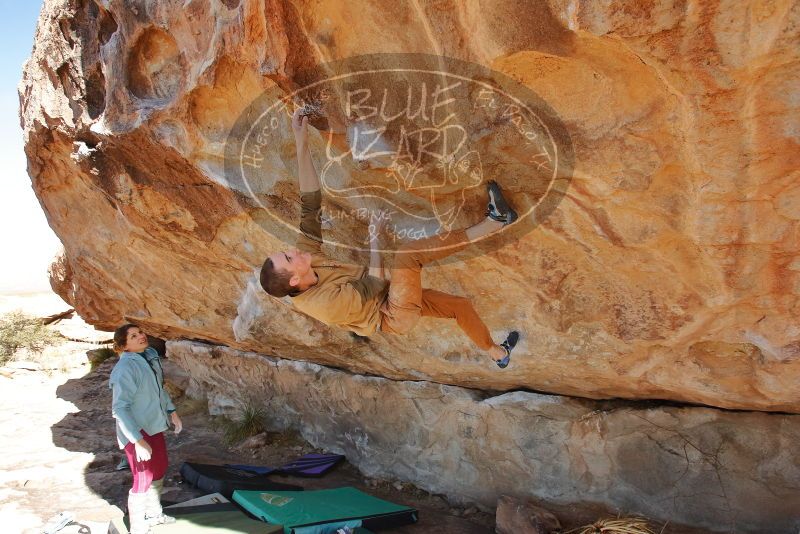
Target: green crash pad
point(318, 512)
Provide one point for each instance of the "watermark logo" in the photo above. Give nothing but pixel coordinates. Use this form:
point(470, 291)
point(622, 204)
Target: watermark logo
point(407, 143)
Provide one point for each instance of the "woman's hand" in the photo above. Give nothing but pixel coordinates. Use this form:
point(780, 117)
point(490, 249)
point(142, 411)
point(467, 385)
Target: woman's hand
point(176, 421)
point(143, 451)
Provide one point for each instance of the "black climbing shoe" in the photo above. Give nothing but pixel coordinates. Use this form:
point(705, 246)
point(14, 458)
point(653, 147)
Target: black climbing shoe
point(508, 345)
point(499, 210)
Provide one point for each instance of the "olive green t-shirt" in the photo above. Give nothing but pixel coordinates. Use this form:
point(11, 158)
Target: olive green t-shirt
point(345, 295)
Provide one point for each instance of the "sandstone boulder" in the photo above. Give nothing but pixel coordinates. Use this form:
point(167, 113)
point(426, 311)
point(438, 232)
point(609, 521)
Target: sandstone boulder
point(716, 469)
point(516, 516)
point(669, 268)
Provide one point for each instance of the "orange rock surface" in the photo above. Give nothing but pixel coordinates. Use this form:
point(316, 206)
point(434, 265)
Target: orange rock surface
point(669, 270)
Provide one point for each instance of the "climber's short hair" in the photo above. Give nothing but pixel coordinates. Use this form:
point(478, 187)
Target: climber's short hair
point(274, 281)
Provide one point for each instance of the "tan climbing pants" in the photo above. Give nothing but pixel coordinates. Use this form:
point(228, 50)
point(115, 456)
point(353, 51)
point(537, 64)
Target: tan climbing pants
point(408, 300)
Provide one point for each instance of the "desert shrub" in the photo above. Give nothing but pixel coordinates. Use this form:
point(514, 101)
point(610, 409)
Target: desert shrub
point(98, 356)
point(19, 331)
point(249, 422)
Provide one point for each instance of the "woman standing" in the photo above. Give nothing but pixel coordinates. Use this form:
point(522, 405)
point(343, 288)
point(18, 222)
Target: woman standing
point(142, 408)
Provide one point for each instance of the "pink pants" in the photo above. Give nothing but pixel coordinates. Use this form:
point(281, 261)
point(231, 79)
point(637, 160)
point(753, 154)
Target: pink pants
point(144, 473)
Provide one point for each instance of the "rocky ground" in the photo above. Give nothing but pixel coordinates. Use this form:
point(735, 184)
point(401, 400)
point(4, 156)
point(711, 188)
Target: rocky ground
point(59, 452)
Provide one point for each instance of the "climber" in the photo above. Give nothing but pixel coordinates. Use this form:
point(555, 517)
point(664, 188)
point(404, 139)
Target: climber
point(361, 300)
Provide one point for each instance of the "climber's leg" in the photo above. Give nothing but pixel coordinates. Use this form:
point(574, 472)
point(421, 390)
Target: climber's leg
point(404, 305)
point(445, 306)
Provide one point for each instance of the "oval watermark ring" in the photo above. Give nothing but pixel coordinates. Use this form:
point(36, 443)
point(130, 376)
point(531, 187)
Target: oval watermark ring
point(410, 138)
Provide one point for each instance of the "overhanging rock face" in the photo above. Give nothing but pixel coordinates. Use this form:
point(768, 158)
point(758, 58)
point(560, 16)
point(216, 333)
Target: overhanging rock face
point(669, 269)
point(728, 471)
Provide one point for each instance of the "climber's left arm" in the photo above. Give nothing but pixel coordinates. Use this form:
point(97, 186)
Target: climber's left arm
point(376, 228)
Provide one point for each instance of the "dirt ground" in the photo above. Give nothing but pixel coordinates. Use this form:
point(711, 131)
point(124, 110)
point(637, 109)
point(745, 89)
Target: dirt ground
point(60, 453)
point(59, 450)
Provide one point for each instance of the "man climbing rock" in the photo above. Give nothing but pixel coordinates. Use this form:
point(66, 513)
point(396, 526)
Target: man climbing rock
point(350, 297)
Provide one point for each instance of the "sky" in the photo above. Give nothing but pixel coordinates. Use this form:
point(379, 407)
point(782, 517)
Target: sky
point(26, 241)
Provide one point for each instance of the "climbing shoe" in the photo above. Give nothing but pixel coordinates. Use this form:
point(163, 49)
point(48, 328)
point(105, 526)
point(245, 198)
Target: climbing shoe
point(499, 210)
point(508, 345)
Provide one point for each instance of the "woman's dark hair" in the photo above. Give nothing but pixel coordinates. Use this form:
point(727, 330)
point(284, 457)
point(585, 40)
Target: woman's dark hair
point(121, 336)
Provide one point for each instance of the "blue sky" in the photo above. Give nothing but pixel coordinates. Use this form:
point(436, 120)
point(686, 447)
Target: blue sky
point(26, 241)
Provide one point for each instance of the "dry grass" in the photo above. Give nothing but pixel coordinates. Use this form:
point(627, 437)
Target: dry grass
point(627, 525)
point(189, 406)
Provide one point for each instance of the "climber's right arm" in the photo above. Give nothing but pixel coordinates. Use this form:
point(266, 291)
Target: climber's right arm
point(310, 238)
point(309, 181)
